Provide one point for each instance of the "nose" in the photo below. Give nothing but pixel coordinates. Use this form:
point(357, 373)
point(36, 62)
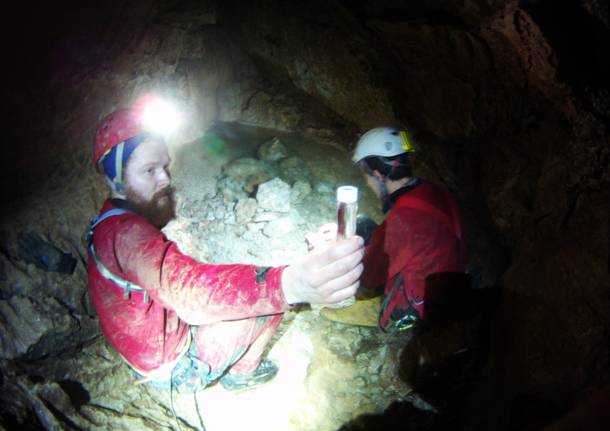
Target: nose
point(163, 179)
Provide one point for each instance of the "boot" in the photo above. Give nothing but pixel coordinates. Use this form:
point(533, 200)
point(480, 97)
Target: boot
point(238, 382)
point(365, 312)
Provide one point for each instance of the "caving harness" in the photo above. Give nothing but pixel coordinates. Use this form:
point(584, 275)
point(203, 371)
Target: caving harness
point(127, 286)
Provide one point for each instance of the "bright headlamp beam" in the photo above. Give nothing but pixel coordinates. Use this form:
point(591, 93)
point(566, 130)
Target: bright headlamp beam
point(160, 117)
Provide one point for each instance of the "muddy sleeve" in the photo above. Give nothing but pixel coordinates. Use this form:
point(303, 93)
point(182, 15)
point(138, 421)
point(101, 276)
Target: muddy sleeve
point(198, 292)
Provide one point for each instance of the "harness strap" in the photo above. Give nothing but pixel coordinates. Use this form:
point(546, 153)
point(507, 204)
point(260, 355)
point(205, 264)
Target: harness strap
point(127, 286)
point(387, 307)
point(103, 216)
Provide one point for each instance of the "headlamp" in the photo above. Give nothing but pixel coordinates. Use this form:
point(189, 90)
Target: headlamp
point(160, 117)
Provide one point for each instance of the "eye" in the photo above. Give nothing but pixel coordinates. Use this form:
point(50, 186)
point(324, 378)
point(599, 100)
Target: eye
point(150, 170)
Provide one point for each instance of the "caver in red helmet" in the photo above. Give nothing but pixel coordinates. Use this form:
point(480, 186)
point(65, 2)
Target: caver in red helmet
point(114, 129)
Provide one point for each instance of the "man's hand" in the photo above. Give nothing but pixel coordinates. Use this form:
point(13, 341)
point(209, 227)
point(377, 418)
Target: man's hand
point(322, 238)
point(326, 275)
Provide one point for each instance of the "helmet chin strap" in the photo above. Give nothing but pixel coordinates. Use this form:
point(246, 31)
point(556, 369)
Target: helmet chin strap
point(117, 190)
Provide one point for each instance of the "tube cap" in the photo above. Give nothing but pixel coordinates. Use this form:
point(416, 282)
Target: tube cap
point(347, 194)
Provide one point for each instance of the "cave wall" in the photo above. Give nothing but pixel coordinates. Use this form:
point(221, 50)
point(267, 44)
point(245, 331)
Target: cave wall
point(504, 116)
point(509, 125)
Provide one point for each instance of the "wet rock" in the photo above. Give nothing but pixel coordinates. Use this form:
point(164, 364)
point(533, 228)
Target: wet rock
point(245, 210)
point(279, 227)
point(272, 151)
point(294, 169)
point(300, 190)
point(274, 195)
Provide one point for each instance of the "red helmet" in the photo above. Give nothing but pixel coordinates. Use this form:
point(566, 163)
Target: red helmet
point(114, 129)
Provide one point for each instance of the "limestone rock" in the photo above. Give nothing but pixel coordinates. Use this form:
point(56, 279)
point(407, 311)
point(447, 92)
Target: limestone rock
point(294, 169)
point(300, 190)
point(231, 188)
point(36, 329)
point(274, 195)
point(265, 216)
point(22, 325)
point(324, 187)
point(272, 150)
point(245, 210)
point(279, 227)
point(250, 171)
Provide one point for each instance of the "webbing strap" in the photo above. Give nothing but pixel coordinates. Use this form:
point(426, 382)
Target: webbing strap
point(101, 217)
point(127, 286)
point(387, 307)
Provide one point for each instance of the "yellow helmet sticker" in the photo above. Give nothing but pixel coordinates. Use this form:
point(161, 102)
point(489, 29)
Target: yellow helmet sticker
point(406, 145)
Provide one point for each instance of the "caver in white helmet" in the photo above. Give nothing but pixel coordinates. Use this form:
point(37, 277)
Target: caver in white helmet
point(382, 142)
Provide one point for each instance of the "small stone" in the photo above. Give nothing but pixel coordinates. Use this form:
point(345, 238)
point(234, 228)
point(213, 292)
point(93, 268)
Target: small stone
point(377, 361)
point(231, 189)
point(245, 210)
point(360, 382)
point(255, 227)
point(265, 216)
point(250, 172)
point(274, 195)
point(294, 169)
point(279, 227)
point(272, 150)
point(296, 217)
point(300, 190)
point(324, 187)
point(239, 230)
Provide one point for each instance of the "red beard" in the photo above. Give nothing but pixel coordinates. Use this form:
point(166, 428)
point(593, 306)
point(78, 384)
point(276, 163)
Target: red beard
point(159, 210)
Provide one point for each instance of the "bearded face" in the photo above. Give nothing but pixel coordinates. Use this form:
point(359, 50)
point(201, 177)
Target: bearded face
point(160, 209)
point(148, 183)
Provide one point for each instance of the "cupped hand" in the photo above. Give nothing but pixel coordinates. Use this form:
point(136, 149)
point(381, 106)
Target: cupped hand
point(325, 275)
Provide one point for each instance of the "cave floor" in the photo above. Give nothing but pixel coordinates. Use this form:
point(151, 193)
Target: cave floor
point(330, 373)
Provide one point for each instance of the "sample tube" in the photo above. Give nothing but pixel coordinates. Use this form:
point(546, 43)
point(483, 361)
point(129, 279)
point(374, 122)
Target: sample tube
point(347, 211)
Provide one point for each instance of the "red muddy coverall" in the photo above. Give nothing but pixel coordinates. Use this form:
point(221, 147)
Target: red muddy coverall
point(236, 314)
point(421, 235)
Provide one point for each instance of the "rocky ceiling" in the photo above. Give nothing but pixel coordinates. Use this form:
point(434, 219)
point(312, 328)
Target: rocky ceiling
point(509, 101)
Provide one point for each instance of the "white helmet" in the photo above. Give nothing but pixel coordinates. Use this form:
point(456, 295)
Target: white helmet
point(383, 142)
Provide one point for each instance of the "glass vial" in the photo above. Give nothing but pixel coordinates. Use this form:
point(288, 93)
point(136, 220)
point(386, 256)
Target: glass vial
point(347, 211)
